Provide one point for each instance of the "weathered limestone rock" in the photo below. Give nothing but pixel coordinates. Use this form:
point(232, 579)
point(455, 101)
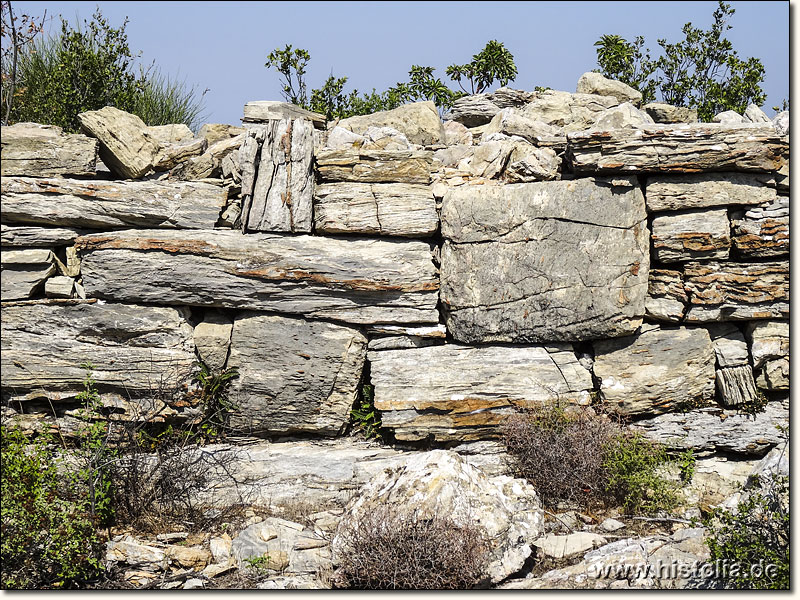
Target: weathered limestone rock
point(566, 546)
point(398, 209)
point(709, 430)
point(171, 155)
point(271, 110)
point(769, 345)
point(290, 548)
point(666, 298)
point(340, 138)
point(456, 133)
point(131, 347)
point(490, 157)
point(177, 133)
point(385, 138)
point(42, 151)
point(573, 112)
point(59, 287)
point(456, 392)
point(551, 261)
point(781, 122)
point(126, 145)
point(624, 116)
point(595, 83)
point(735, 385)
point(294, 375)
point(753, 114)
point(690, 148)
point(357, 281)
point(217, 132)
point(666, 113)
point(730, 346)
point(512, 122)
point(105, 204)
point(212, 338)
point(24, 271)
point(282, 192)
point(735, 291)
point(679, 192)
point(527, 163)
point(728, 117)
point(691, 235)
point(473, 111)
point(375, 166)
point(762, 231)
point(656, 371)
point(418, 121)
point(441, 483)
point(37, 237)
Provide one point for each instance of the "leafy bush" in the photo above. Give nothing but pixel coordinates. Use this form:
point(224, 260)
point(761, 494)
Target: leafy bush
point(395, 550)
point(86, 68)
point(49, 536)
point(584, 457)
point(752, 541)
point(701, 71)
point(364, 415)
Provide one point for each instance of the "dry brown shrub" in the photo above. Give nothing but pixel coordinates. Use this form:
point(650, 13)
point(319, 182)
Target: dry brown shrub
point(394, 550)
point(560, 452)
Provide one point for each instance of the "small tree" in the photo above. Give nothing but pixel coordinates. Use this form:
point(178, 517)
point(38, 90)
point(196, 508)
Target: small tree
point(493, 63)
point(702, 71)
point(291, 63)
point(18, 33)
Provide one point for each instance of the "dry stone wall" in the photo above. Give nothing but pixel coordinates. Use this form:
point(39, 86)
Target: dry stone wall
point(534, 246)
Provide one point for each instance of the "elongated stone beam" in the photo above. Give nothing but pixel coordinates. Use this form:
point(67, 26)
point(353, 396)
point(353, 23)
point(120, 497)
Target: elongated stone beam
point(356, 281)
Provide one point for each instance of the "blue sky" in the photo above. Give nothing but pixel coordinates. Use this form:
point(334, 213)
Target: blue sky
point(222, 46)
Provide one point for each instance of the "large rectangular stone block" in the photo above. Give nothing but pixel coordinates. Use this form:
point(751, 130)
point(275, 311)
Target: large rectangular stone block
point(111, 204)
point(294, 375)
point(456, 392)
point(701, 190)
point(691, 235)
point(375, 166)
point(549, 261)
point(132, 350)
point(42, 151)
point(357, 281)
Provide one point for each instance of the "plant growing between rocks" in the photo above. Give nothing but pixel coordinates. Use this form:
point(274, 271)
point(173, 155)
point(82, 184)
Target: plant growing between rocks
point(395, 550)
point(584, 457)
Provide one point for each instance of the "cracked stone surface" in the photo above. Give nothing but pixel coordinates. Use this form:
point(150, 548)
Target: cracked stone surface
point(394, 209)
point(666, 298)
point(656, 371)
point(280, 174)
point(702, 190)
point(691, 235)
point(547, 261)
point(294, 375)
point(455, 392)
point(687, 148)
point(356, 281)
point(375, 166)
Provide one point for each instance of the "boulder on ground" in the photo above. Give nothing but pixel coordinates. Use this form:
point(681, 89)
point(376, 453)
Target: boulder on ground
point(418, 121)
point(596, 83)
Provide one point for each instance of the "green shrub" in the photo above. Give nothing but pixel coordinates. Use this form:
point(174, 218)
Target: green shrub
point(364, 415)
point(755, 534)
point(86, 68)
point(584, 457)
point(49, 536)
point(632, 464)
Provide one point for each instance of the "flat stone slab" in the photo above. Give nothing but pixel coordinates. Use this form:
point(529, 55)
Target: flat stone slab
point(566, 546)
point(711, 430)
point(38, 237)
point(375, 166)
point(294, 375)
point(688, 148)
point(691, 235)
point(22, 272)
point(456, 392)
point(727, 291)
point(702, 190)
point(762, 231)
point(260, 111)
point(356, 281)
point(131, 347)
point(547, 261)
point(658, 370)
point(43, 151)
point(111, 204)
point(666, 297)
point(394, 209)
